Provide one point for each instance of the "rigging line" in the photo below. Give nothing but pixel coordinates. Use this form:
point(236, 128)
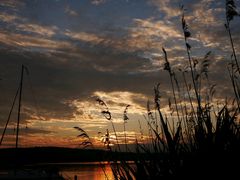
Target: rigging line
point(9, 116)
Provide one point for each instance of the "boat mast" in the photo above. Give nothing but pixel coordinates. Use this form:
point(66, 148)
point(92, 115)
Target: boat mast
point(9, 116)
point(19, 105)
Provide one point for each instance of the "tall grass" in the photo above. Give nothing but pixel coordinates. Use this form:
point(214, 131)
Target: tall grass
point(107, 114)
point(125, 119)
point(205, 141)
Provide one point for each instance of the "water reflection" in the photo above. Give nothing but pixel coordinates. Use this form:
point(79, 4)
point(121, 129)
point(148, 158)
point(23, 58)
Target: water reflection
point(87, 171)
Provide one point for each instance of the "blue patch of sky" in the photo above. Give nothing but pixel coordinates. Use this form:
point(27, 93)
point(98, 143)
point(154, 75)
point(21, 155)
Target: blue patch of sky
point(91, 18)
point(44, 12)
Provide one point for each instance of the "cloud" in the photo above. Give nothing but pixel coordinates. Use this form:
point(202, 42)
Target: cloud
point(38, 29)
point(88, 112)
point(23, 25)
point(145, 36)
point(205, 18)
point(70, 11)
point(24, 133)
point(85, 37)
point(12, 4)
point(118, 100)
point(25, 130)
point(169, 8)
point(98, 2)
point(57, 84)
point(27, 41)
point(203, 15)
point(8, 18)
point(151, 34)
point(42, 140)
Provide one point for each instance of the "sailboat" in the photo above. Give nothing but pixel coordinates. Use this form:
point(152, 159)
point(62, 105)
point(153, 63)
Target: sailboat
point(19, 92)
point(19, 170)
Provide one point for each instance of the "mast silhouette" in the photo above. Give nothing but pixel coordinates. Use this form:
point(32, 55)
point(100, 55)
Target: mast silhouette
point(9, 116)
point(19, 92)
point(19, 105)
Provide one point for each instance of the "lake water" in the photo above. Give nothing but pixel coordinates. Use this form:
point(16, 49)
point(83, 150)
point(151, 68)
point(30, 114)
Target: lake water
point(87, 171)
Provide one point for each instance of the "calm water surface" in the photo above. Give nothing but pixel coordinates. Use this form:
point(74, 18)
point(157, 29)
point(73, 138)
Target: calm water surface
point(87, 171)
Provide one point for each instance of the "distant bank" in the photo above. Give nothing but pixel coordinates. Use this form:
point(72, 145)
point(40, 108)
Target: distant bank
point(38, 155)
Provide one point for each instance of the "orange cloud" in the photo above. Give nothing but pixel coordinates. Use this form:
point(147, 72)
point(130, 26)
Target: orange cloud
point(83, 36)
point(8, 17)
point(165, 6)
point(38, 29)
point(22, 24)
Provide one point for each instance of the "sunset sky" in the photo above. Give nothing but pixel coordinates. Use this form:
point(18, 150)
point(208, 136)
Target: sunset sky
point(78, 50)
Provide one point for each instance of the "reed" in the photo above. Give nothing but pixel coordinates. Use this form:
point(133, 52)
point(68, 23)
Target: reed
point(207, 143)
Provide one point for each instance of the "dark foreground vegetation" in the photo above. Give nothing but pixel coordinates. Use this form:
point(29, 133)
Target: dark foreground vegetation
point(200, 138)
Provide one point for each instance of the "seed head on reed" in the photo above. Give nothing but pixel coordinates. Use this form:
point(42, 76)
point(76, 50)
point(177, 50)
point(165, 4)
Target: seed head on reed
point(84, 136)
point(167, 66)
point(186, 31)
point(185, 28)
point(125, 116)
point(157, 96)
point(231, 10)
point(105, 112)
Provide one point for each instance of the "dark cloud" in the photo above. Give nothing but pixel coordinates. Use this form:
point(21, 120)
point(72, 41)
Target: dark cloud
point(54, 83)
point(11, 5)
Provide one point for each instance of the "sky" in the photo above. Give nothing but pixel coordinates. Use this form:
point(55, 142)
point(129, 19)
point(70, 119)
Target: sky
point(78, 50)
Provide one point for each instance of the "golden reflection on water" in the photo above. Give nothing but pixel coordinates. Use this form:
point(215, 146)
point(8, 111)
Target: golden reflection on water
point(88, 171)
